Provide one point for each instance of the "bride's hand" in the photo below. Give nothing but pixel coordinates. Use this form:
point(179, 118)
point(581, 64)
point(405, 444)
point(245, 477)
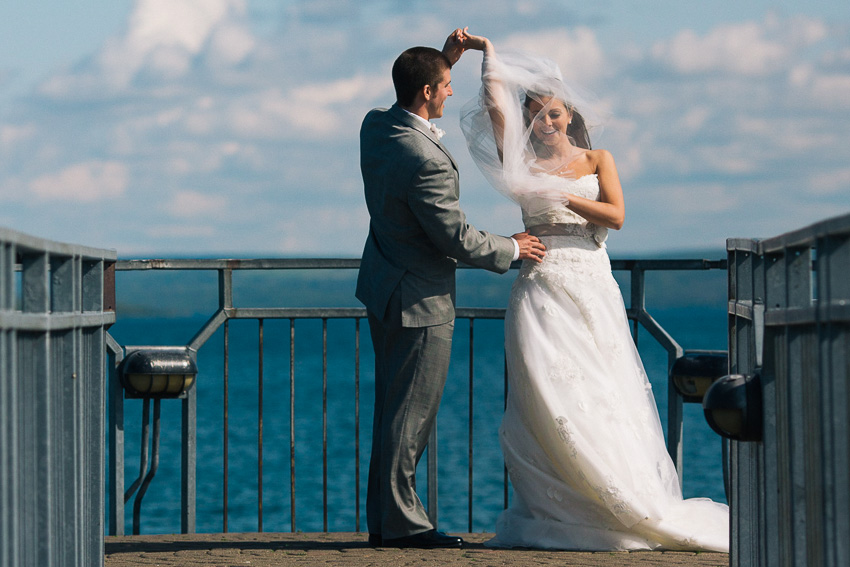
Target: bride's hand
point(478, 42)
point(454, 46)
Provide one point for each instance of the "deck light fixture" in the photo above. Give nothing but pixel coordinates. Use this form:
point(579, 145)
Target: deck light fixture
point(158, 372)
point(733, 407)
point(693, 373)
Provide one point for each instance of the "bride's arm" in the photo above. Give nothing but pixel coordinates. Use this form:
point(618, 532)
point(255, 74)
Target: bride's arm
point(609, 211)
point(493, 88)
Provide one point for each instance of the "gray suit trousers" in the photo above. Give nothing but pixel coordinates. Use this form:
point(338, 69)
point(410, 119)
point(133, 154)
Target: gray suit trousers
point(411, 364)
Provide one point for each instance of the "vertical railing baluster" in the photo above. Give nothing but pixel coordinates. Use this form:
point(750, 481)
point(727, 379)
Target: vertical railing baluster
point(143, 465)
point(225, 303)
point(357, 425)
point(638, 298)
point(189, 457)
point(325, 424)
point(292, 423)
point(137, 504)
point(471, 389)
point(226, 419)
point(504, 408)
point(260, 429)
point(116, 440)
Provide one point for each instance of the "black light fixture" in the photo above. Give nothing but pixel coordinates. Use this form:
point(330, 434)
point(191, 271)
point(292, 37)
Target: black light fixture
point(694, 372)
point(158, 372)
point(733, 407)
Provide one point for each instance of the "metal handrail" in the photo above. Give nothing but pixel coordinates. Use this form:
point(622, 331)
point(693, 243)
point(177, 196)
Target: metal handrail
point(789, 327)
point(56, 300)
point(637, 312)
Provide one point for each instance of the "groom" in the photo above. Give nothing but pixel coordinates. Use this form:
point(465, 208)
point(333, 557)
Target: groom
point(417, 232)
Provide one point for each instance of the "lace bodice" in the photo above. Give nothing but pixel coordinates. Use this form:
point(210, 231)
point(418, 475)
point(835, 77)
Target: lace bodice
point(586, 186)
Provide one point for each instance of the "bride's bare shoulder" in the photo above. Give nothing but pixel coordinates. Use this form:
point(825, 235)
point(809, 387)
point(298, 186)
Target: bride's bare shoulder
point(598, 155)
point(600, 159)
point(583, 163)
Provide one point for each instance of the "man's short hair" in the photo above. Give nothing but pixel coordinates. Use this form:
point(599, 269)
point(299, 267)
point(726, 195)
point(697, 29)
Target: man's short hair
point(415, 68)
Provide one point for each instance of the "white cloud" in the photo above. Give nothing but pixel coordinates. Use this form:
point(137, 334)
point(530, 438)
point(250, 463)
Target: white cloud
point(832, 90)
point(179, 231)
point(84, 182)
point(260, 114)
point(319, 107)
point(184, 23)
point(231, 44)
point(748, 48)
point(163, 39)
point(758, 100)
point(831, 182)
point(694, 119)
point(12, 135)
point(738, 49)
point(187, 204)
point(308, 111)
point(201, 158)
point(12, 189)
point(577, 52)
point(802, 31)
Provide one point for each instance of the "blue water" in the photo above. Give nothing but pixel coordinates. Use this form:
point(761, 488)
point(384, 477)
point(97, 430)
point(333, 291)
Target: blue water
point(696, 324)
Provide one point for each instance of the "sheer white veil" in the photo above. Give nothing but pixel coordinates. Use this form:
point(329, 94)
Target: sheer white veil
point(505, 148)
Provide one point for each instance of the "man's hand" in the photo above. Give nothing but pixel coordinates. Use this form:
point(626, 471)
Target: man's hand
point(454, 47)
point(530, 247)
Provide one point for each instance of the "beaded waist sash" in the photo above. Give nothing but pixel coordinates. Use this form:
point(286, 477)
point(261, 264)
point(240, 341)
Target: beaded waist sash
point(560, 229)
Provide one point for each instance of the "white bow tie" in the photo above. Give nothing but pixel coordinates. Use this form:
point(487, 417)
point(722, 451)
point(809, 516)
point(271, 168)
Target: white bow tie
point(437, 132)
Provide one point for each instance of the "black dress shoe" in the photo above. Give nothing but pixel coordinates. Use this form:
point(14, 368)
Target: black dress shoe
point(375, 540)
point(431, 539)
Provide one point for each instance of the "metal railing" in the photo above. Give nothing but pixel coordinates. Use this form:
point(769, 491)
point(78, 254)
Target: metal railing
point(56, 300)
point(227, 311)
point(789, 332)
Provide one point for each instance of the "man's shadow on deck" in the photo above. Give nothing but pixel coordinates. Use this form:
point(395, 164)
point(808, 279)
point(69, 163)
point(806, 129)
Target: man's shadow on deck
point(306, 544)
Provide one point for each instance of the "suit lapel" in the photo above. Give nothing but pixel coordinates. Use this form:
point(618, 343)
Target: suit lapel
point(405, 118)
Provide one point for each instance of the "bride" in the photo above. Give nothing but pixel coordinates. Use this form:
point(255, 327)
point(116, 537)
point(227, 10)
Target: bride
point(581, 435)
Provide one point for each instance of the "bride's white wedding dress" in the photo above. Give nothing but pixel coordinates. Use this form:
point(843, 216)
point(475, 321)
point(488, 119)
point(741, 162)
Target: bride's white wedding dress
point(581, 435)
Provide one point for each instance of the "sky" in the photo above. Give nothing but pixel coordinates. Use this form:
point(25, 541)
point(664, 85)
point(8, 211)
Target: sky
point(216, 128)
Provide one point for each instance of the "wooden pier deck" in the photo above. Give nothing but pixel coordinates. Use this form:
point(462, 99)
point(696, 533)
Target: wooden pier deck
point(351, 550)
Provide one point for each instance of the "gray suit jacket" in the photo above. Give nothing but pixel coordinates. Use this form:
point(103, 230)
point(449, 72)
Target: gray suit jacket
point(417, 230)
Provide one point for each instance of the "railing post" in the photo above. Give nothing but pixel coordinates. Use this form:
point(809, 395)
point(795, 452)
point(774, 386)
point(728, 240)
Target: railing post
point(52, 386)
point(225, 289)
point(37, 529)
point(638, 297)
point(675, 416)
point(675, 423)
point(789, 488)
point(745, 312)
point(116, 438)
point(10, 478)
point(188, 464)
point(833, 265)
